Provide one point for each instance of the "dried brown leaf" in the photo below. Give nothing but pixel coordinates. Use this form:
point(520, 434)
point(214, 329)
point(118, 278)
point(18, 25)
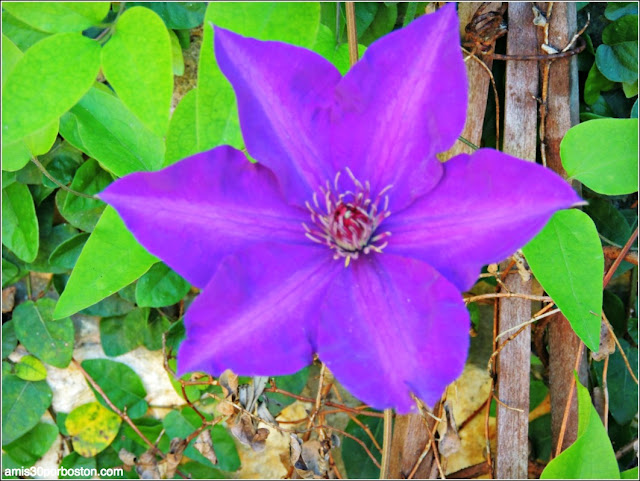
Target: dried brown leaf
point(607, 343)
point(204, 444)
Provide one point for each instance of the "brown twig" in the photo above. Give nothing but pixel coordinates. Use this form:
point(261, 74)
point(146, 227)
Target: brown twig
point(612, 252)
point(554, 56)
point(626, 448)
point(624, 356)
point(123, 415)
point(430, 444)
point(58, 183)
point(352, 34)
point(620, 258)
point(605, 392)
point(351, 436)
point(326, 403)
point(496, 295)
point(567, 407)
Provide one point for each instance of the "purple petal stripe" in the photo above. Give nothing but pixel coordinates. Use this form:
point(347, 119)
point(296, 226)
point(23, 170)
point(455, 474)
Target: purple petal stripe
point(486, 206)
point(392, 326)
point(200, 209)
point(257, 316)
point(402, 103)
point(284, 94)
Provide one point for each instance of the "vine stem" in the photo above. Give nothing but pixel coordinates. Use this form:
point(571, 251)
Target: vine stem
point(58, 183)
point(386, 443)
point(352, 34)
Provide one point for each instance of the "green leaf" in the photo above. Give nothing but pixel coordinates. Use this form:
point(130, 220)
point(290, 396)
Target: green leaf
point(58, 17)
point(111, 259)
point(356, 460)
point(625, 29)
point(178, 15)
point(623, 391)
point(293, 383)
point(121, 385)
point(177, 59)
point(566, 258)
point(114, 136)
point(19, 32)
point(596, 83)
point(616, 10)
point(180, 424)
point(30, 447)
point(217, 116)
point(48, 243)
point(618, 62)
point(591, 456)
point(160, 287)
point(81, 212)
point(182, 136)
point(16, 155)
point(19, 222)
point(114, 305)
point(67, 253)
point(382, 24)
point(51, 340)
point(610, 222)
point(121, 334)
point(157, 325)
point(137, 62)
point(603, 155)
point(630, 473)
point(57, 71)
point(630, 89)
point(75, 461)
point(338, 55)
point(9, 339)
point(634, 110)
point(23, 404)
point(10, 56)
point(92, 428)
point(30, 368)
point(8, 178)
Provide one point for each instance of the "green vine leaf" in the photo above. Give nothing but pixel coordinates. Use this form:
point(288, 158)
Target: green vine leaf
point(566, 258)
point(137, 62)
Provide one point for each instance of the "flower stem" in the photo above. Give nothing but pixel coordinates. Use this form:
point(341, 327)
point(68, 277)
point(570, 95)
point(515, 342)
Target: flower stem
point(352, 34)
point(386, 443)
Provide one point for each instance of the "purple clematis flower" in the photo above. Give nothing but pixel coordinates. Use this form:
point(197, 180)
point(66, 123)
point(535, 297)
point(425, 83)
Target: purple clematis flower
point(348, 238)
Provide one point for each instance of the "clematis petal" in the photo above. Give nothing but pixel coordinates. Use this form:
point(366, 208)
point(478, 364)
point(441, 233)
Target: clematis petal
point(200, 209)
point(391, 326)
point(258, 313)
point(486, 206)
point(402, 103)
point(284, 94)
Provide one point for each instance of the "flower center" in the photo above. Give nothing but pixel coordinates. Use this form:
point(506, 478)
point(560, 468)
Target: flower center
point(347, 222)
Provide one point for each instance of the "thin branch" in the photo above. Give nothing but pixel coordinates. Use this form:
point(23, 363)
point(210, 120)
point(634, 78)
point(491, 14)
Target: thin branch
point(351, 436)
point(605, 392)
point(123, 415)
point(326, 403)
point(496, 295)
point(624, 356)
point(567, 408)
point(620, 257)
point(60, 184)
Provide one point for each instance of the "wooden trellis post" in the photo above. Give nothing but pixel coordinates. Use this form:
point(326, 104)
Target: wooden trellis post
point(520, 139)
